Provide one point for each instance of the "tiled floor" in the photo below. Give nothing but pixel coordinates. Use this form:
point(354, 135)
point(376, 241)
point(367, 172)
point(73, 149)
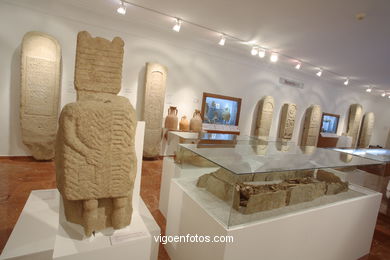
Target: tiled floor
point(18, 176)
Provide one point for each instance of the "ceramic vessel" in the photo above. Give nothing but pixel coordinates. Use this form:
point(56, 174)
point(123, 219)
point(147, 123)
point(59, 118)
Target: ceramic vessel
point(184, 124)
point(171, 119)
point(196, 122)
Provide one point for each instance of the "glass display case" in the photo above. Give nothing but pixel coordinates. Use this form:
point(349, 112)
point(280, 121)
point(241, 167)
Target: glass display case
point(372, 176)
point(259, 179)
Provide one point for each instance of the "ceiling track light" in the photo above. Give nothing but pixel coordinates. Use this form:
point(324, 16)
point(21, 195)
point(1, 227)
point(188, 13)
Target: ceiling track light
point(298, 65)
point(369, 89)
point(222, 40)
point(388, 96)
point(319, 73)
point(384, 94)
point(274, 57)
point(254, 50)
point(346, 82)
point(177, 25)
point(261, 53)
point(122, 8)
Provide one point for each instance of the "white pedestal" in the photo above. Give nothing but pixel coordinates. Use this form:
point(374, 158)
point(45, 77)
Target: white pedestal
point(171, 170)
point(38, 235)
point(337, 231)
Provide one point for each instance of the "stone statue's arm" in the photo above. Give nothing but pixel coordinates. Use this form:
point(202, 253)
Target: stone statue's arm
point(72, 139)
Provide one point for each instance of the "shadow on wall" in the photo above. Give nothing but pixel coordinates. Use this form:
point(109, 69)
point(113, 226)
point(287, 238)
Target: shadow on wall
point(140, 93)
point(254, 118)
point(15, 134)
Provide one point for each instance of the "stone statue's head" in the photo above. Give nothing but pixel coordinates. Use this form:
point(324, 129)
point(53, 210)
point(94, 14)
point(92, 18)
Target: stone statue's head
point(98, 64)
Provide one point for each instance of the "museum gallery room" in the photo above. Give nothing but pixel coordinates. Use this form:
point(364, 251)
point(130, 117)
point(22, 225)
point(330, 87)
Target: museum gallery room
point(188, 130)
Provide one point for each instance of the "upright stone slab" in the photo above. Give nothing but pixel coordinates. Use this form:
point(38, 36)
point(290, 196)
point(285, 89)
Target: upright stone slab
point(287, 121)
point(264, 116)
point(354, 120)
point(367, 128)
point(40, 93)
point(155, 85)
point(95, 154)
point(311, 127)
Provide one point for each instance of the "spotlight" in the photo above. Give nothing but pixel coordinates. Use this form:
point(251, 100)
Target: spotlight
point(261, 53)
point(384, 94)
point(388, 96)
point(254, 50)
point(177, 25)
point(121, 9)
point(298, 65)
point(222, 40)
point(346, 82)
point(274, 57)
point(319, 73)
point(369, 89)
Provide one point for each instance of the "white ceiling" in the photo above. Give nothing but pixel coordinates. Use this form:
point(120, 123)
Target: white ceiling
point(321, 32)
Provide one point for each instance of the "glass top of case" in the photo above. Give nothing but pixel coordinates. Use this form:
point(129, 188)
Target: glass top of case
point(264, 156)
point(382, 155)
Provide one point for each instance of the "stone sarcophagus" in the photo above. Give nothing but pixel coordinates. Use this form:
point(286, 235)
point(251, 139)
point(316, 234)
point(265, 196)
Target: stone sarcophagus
point(264, 116)
point(311, 126)
point(354, 120)
point(252, 193)
point(40, 93)
point(366, 131)
point(155, 85)
point(95, 153)
point(287, 121)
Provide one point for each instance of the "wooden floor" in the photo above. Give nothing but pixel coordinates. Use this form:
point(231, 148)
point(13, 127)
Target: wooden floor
point(20, 175)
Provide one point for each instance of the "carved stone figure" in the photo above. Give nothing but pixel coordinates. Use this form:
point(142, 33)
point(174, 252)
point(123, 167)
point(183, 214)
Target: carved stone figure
point(366, 131)
point(40, 93)
point(226, 115)
point(196, 122)
point(287, 121)
point(171, 119)
point(155, 85)
point(95, 154)
point(354, 120)
point(311, 127)
point(184, 124)
point(264, 116)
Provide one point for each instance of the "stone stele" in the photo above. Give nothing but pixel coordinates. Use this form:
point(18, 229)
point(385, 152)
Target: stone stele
point(287, 121)
point(155, 85)
point(264, 116)
point(311, 126)
point(40, 90)
point(354, 120)
point(95, 153)
point(366, 131)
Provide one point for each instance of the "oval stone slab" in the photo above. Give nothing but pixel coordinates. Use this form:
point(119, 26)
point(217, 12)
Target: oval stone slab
point(40, 88)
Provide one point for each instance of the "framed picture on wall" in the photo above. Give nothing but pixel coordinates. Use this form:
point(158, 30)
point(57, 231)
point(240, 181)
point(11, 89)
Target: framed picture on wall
point(329, 123)
point(221, 110)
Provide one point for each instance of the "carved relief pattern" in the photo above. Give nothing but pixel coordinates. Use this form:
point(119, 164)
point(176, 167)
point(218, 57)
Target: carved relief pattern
point(311, 127)
point(287, 121)
point(264, 116)
point(155, 86)
point(40, 87)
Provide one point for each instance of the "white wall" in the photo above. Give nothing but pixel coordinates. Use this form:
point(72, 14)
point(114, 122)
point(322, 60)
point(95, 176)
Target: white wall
point(194, 67)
